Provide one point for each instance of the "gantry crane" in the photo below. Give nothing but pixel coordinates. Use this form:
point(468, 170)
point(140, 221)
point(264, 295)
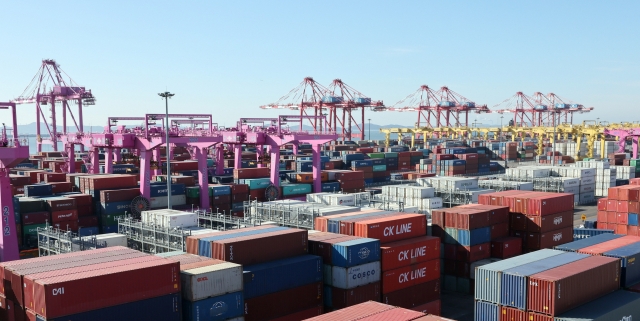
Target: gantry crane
point(48, 87)
point(539, 109)
point(314, 101)
point(437, 108)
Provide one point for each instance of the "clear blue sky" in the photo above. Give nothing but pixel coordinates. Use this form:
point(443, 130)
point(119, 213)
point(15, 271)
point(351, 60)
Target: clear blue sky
point(229, 57)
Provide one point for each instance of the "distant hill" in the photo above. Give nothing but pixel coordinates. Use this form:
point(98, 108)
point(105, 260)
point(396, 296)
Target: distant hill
point(30, 129)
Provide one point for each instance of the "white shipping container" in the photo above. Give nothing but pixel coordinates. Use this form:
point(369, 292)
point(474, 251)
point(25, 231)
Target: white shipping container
point(422, 192)
point(333, 210)
point(316, 197)
point(587, 188)
point(161, 201)
point(112, 239)
point(572, 190)
point(211, 281)
point(588, 180)
point(587, 197)
point(431, 203)
point(183, 220)
point(570, 182)
point(349, 278)
point(340, 199)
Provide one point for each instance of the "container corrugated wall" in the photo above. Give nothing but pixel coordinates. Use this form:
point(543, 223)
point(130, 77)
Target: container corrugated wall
point(486, 311)
point(629, 255)
point(218, 308)
point(488, 277)
point(515, 281)
point(210, 281)
point(265, 278)
point(204, 244)
point(349, 278)
point(580, 244)
point(618, 306)
point(355, 252)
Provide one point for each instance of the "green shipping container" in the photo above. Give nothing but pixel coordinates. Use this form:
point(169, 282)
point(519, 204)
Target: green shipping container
point(111, 219)
point(379, 168)
point(31, 231)
point(193, 191)
point(296, 189)
point(209, 162)
point(390, 155)
point(376, 155)
point(634, 163)
point(258, 183)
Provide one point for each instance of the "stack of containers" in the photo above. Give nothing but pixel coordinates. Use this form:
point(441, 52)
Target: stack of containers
point(366, 167)
point(220, 198)
point(160, 195)
point(410, 271)
point(239, 194)
point(422, 197)
point(256, 178)
point(170, 218)
point(350, 181)
point(63, 212)
point(370, 311)
point(33, 215)
point(381, 173)
point(391, 160)
point(88, 222)
point(18, 182)
point(468, 235)
point(280, 278)
point(404, 161)
point(625, 248)
point(193, 195)
point(145, 287)
point(351, 267)
point(114, 204)
point(619, 211)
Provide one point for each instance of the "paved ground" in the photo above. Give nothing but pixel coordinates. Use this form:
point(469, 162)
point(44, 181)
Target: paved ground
point(458, 306)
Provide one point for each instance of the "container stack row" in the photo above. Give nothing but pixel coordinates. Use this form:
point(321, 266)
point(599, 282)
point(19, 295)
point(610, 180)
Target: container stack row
point(619, 211)
point(422, 197)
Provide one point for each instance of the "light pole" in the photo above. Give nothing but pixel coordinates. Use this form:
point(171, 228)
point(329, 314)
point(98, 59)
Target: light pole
point(501, 117)
point(166, 95)
point(369, 129)
point(553, 144)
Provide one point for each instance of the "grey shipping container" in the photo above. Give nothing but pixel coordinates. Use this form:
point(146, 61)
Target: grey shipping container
point(580, 244)
point(515, 280)
point(489, 277)
point(629, 255)
point(617, 306)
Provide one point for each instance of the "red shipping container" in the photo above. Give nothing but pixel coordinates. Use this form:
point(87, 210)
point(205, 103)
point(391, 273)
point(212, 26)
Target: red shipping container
point(547, 240)
point(220, 199)
point(394, 228)
point(602, 216)
point(35, 218)
point(88, 221)
point(612, 193)
point(623, 218)
point(512, 314)
point(612, 217)
point(280, 303)
point(103, 182)
point(251, 173)
point(543, 224)
point(433, 308)
point(629, 193)
point(407, 276)
point(237, 198)
point(62, 187)
point(320, 222)
point(135, 282)
point(450, 251)
point(603, 226)
point(192, 241)
point(451, 218)
point(352, 186)
point(347, 226)
point(402, 253)
point(561, 289)
point(82, 199)
point(612, 205)
point(119, 195)
point(472, 219)
point(414, 295)
point(506, 247)
point(60, 204)
point(257, 194)
point(539, 317)
point(499, 230)
point(355, 312)
point(497, 198)
point(634, 207)
point(623, 207)
point(521, 201)
point(518, 222)
point(550, 204)
point(399, 314)
point(473, 253)
point(602, 204)
point(603, 247)
point(254, 249)
point(344, 176)
point(302, 315)
point(632, 230)
point(341, 298)
point(84, 210)
point(64, 215)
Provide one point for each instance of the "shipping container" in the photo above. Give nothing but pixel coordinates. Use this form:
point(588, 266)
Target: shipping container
point(278, 275)
point(563, 288)
point(394, 228)
point(355, 252)
point(536, 241)
point(337, 298)
point(586, 242)
point(512, 314)
point(487, 311)
point(402, 253)
point(349, 278)
point(433, 309)
point(407, 276)
point(284, 302)
point(474, 237)
point(254, 249)
point(506, 247)
point(301, 315)
point(396, 314)
point(414, 295)
point(599, 249)
point(630, 267)
point(353, 313)
point(51, 296)
point(489, 277)
point(473, 253)
point(218, 308)
point(515, 281)
point(542, 224)
point(619, 305)
point(549, 204)
point(193, 241)
point(162, 308)
point(211, 281)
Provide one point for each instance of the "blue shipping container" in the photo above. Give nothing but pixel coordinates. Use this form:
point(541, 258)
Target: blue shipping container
point(204, 244)
point(275, 276)
point(330, 187)
point(296, 189)
point(115, 207)
point(362, 163)
point(86, 231)
point(16, 210)
point(580, 244)
point(633, 219)
point(355, 252)
point(487, 311)
point(581, 233)
point(257, 183)
point(218, 308)
point(162, 308)
point(515, 280)
point(38, 190)
point(161, 190)
point(219, 190)
point(629, 255)
point(110, 229)
point(475, 236)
